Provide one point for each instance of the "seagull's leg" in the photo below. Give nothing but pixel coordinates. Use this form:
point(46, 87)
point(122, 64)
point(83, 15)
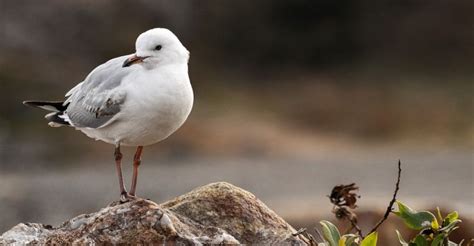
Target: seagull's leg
point(136, 163)
point(118, 164)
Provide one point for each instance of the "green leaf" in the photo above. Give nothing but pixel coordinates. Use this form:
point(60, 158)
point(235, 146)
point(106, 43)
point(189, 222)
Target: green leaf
point(342, 241)
point(353, 241)
point(452, 216)
point(370, 240)
point(438, 240)
point(434, 224)
point(348, 240)
point(450, 227)
point(416, 220)
point(330, 232)
point(440, 217)
point(420, 241)
point(400, 239)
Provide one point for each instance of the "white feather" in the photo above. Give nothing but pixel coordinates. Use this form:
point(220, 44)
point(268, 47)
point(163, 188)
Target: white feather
point(157, 94)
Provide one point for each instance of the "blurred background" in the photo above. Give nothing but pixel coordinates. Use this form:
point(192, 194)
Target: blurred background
point(291, 98)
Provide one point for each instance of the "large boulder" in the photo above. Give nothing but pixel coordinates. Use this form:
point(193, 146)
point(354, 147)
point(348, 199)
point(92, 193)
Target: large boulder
point(218, 213)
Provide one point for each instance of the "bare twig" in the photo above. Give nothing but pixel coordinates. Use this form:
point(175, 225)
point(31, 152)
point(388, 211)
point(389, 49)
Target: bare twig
point(305, 237)
point(312, 241)
point(390, 205)
point(344, 212)
point(299, 232)
point(356, 227)
point(319, 234)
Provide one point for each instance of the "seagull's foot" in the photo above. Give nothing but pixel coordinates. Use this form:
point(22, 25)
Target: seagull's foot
point(126, 197)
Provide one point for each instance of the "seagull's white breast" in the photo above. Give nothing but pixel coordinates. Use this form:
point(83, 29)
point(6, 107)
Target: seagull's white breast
point(157, 103)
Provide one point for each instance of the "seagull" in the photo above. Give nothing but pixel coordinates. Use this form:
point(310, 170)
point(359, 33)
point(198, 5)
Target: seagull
point(133, 100)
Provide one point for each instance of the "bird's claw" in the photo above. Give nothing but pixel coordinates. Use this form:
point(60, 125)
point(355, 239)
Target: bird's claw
point(126, 197)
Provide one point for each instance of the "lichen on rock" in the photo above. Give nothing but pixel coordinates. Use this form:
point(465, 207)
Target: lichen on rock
point(218, 213)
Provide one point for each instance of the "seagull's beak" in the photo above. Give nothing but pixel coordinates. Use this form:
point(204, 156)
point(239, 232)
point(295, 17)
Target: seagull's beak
point(132, 60)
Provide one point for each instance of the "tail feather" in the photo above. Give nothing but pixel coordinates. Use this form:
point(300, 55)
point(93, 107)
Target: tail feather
point(57, 117)
point(55, 106)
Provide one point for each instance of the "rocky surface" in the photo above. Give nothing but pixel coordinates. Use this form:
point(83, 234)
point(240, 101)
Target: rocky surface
point(218, 213)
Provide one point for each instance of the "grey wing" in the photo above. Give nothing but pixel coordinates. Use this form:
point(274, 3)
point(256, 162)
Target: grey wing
point(94, 102)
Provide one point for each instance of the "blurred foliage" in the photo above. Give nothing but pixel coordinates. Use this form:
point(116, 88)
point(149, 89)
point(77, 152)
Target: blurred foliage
point(332, 237)
point(430, 231)
point(416, 220)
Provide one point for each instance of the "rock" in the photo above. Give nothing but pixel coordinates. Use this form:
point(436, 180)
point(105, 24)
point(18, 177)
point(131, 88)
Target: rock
point(218, 213)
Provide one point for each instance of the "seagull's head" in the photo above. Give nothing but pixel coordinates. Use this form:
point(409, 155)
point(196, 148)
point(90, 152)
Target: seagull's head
point(155, 47)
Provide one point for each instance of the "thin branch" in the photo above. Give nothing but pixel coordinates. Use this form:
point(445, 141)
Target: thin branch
point(319, 234)
point(356, 227)
point(351, 217)
point(299, 232)
point(305, 237)
point(390, 205)
point(312, 241)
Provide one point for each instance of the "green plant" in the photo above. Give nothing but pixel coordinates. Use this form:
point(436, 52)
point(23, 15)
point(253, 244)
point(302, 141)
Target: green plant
point(431, 232)
point(332, 237)
point(344, 198)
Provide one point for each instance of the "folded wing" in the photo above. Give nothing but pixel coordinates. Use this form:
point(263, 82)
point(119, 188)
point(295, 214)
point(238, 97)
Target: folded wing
point(94, 102)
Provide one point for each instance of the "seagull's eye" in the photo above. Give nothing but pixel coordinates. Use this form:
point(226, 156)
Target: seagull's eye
point(158, 47)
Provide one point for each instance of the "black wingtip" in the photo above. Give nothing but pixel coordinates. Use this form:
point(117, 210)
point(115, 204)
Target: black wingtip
point(28, 103)
point(33, 104)
point(57, 106)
